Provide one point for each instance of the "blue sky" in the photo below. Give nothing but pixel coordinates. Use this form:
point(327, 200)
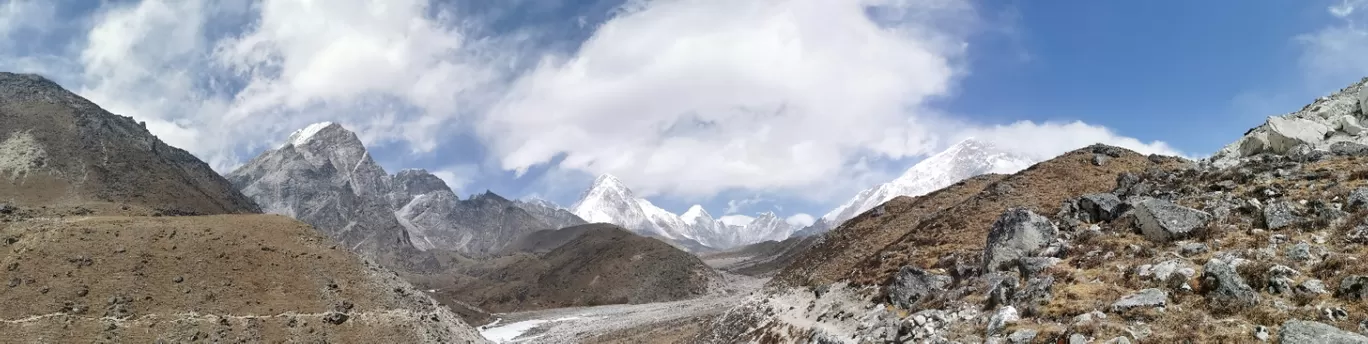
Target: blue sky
point(742, 106)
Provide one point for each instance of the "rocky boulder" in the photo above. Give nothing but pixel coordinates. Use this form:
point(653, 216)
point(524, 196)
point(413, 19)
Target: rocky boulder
point(1282, 214)
point(1101, 207)
point(913, 285)
point(1017, 234)
point(1223, 286)
point(1353, 288)
point(1163, 221)
point(1147, 298)
point(1307, 332)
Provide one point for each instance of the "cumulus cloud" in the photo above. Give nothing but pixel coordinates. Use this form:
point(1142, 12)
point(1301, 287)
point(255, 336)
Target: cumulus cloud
point(1049, 139)
point(19, 15)
point(736, 220)
point(800, 220)
point(228, 77)
point(778, 95)
point(457, 177)
point(736, 205)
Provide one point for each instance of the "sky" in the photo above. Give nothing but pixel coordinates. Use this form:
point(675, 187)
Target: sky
point(790, 106)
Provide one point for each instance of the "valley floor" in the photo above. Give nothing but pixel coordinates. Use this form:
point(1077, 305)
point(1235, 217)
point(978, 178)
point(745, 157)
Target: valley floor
point(664, 322)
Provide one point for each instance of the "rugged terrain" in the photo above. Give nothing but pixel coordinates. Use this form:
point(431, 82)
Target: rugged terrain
point(57, 148)
point(600, 264)
point(1259, 243)
point(761, 259)
point(120, 249)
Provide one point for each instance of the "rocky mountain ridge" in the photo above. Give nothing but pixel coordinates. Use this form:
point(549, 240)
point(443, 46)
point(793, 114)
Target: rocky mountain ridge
point(1259, 243)
point(325, 176)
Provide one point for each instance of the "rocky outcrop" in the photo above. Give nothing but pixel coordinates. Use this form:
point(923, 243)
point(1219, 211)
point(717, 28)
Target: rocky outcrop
point(913, 285)
point(1019, 233)
point(1225, 287)
point(1147, 298)
point(1336, 118)
point(1163, 221)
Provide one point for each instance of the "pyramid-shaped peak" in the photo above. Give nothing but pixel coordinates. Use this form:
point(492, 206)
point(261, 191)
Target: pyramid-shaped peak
point(694, 213)
point(607, 179)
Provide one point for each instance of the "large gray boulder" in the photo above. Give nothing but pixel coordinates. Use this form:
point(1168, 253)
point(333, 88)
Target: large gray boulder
point(1225, 287)
point(1308, 332)
point(1357, 199)
point(1163, 221)
point(1018, 233)
point(1101, 207)
point(1281, 214)
point(912, 285)
point(1148, 298)
point(1353, 287)
point(1328, 120)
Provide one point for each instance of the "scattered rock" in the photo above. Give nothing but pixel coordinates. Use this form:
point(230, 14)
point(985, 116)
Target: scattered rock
point(1101, 207)
point(1357, 199)
point(1307, 332)
point(14, 282)
point(1078, 338)
point(335, 318)
point(1353, 287)
point(1022, 336)
point(1349, 148)
point(178, 279)
point(1280, 279)
point(1003, 291)
point(1192, 248)
point(1225, 287)
point(1163, 221)
point(7, 209)
point(912, 285)
point(1018, 233)
point(1300, 252)
point(1099, 159)
point(1000, 320)
point(1030, 267)
point(1151, 297)
point(1312, 286)
point(1261, 333)
point(1278, 215)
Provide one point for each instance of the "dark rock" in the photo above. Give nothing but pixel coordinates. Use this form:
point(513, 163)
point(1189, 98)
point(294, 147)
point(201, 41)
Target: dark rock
point(1036, 292)
point(1124, 183)
point(1300, 252)
point(335, 318)
point(1357, 199)
point(14, 282)
point(1261, 333)
point(1151, 297)
point(1353, 287)
point(1308, 332)
point(1192, 248)
point(913, 285)
point(1280, 279)
point(178, 279)
point(343, 307)
point(1163, 221)
point(1278, 215)
point(1022, 336)
point(1110, 151)
point(1101, 207)
point(1003, 291)
point(7, 209)
point(1349, 149)
point(1224, 286)
point(1017, 234)
point(1312, 287)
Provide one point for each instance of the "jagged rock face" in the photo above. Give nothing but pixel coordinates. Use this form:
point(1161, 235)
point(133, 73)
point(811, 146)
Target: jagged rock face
point(1337, 118)
point(554, 215)
point(59, 148)
point(963, 160)
point(481, 225)
point(325, 177)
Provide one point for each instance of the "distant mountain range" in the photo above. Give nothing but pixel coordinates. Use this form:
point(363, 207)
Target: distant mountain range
point(323, 175)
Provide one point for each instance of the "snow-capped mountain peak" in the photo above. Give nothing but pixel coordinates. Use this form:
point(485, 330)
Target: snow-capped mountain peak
point(968, 158)
point(303, 136)
point(696, 213)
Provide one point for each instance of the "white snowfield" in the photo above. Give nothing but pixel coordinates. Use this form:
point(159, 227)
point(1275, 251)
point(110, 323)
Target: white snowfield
point(302, 136)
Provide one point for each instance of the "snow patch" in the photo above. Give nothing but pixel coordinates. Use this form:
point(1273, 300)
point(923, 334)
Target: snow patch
point(509, 333)
point(302, 136)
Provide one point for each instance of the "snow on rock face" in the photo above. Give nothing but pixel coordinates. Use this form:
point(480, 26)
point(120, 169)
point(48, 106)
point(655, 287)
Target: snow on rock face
point(302, 136)
point(964, 160)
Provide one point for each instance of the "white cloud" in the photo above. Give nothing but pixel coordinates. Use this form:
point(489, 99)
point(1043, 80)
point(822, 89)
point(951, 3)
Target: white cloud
point(800, 220)
point(457, 177)
point(736, 205)
point(17, 15)
point(1334, 54)
point(1047, 140)
point(736, 220)
point(391, 70)
point(770, 96)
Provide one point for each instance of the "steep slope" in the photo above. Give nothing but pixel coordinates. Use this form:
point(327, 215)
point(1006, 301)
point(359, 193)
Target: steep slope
point(839, 251)
point(608, 200)
point(252, 278)
point(437, 219)
point(710, 231)
point(963, 160)
point(59, 148)
point(598, 264)
point(324, 176)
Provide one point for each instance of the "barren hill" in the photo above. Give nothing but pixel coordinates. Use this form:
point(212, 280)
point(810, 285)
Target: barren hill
point(59, 148)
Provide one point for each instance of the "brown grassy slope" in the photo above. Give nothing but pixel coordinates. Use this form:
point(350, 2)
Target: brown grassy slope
point(58, 148)
point(833, 257)
point(604, 265)
point(963, 228)
point(770, 257)
point(225, 278)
